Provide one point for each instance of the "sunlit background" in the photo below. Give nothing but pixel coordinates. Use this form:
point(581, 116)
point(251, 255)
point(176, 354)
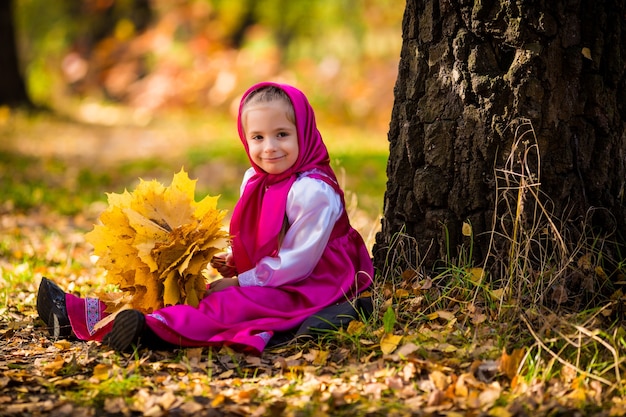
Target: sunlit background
point(164, 54)
point(159, 81)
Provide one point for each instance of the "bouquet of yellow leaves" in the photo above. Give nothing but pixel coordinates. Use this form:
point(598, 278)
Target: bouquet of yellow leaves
point(155, 244)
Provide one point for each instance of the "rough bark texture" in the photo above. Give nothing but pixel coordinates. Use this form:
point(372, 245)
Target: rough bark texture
point(12, 87)
point(468, 70)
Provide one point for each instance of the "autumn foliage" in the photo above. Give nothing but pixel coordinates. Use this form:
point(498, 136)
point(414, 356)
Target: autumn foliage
point(155, 243)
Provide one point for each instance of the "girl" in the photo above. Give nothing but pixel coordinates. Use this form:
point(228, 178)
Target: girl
point(293, 249)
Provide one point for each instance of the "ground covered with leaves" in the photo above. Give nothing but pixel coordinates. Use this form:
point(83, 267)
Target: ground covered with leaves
point(432, 347)
point(381, 366)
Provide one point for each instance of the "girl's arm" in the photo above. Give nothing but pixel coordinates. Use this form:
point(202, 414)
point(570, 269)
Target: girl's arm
point(313, 208)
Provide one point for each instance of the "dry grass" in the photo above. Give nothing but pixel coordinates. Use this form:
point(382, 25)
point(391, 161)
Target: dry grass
point(551, 292)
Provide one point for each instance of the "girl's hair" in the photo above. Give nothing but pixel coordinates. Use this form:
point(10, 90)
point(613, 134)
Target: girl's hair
point(268, 94)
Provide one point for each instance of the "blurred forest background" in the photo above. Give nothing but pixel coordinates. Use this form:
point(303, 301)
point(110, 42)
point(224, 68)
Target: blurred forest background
point(138, 88)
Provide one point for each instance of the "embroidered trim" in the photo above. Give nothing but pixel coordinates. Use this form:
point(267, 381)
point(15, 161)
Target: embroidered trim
point(92, 314)
point(158, 317)
point(265, 336)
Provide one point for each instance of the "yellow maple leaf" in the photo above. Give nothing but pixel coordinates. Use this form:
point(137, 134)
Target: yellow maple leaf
point(206, 205)
point(192, 293)
point(151, 290)
point(171, 291)
point(196, 264)
point(156, 241)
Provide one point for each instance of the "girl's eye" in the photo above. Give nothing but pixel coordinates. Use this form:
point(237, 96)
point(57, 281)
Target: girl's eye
point(257, 137)
point(282, 134)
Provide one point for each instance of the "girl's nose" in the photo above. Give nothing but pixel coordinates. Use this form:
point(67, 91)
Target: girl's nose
point(270, 145)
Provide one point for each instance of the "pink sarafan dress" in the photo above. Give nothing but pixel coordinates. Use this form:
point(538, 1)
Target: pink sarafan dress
point(285, 276)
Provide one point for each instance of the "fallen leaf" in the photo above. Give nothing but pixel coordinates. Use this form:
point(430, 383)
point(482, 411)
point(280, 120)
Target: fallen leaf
point(497, 294)
point(460, 388)
point(476, 274)
point(489, 395)
point(389, 343)
point(51, 368)
point(321, 358)
point(102, 372)
point(478, 318)
point(499, 412)
point(442, 314)
point(401, 293)
point(62, 344)
point(226, 374)
point(509, 364)
point(406, 349)
point(218, 400)
point(440, 380)
point(355, 328)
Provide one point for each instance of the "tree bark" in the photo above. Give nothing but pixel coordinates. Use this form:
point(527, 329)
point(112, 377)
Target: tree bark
point(12, 87)
point(474, 78)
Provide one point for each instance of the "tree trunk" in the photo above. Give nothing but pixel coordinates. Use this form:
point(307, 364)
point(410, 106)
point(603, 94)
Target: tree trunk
point(507, 115)
point(12, 86)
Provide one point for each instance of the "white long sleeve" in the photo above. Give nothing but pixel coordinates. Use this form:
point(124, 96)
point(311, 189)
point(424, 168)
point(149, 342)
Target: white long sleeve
point(313, 208)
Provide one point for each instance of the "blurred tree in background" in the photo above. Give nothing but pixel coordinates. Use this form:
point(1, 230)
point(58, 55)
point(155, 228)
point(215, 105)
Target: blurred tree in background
point(155, 55)
point(12, 88)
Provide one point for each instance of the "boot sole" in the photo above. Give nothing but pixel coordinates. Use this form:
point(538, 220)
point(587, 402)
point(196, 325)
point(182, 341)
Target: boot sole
point(127, 329)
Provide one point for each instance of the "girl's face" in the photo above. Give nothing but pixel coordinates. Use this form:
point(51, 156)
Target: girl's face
point(272, 138)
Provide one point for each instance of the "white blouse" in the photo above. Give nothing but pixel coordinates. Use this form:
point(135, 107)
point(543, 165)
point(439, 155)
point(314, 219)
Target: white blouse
point(313, 208)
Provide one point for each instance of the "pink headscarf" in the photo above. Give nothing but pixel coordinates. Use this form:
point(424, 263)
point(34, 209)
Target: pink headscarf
point(258, 216)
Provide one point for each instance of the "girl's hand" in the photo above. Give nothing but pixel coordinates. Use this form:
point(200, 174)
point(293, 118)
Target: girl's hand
point(224, 265)
point(221, 284)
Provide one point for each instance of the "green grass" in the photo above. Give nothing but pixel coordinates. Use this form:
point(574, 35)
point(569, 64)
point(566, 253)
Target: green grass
point(208, 149)
point(29, 183)
point(572, 347)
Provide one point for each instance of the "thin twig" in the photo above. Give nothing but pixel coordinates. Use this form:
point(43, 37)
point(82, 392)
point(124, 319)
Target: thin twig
point(561, 360)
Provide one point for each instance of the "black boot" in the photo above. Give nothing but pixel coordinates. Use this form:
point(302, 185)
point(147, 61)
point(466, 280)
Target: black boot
point(52, 310)
point(130, 331)
point(127, 329)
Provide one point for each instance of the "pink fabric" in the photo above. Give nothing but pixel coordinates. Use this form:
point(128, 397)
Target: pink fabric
point(84, 313)
point(247, 317)
point(265, 196)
